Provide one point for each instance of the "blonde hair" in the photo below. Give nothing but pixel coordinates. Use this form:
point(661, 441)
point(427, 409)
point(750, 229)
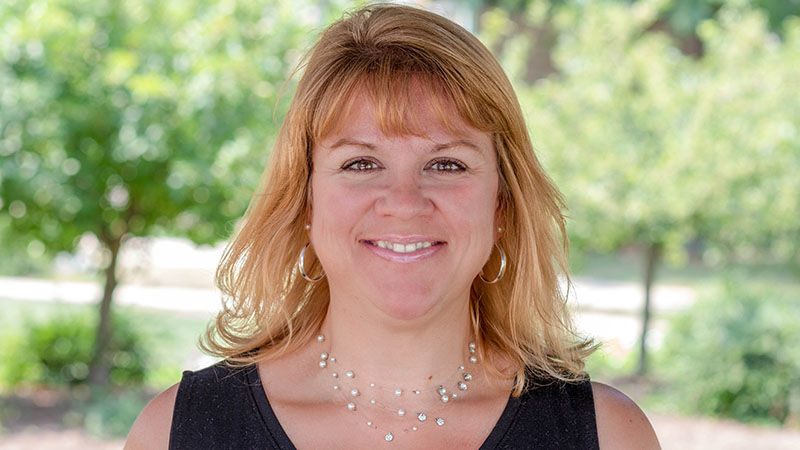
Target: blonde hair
point(386, 49)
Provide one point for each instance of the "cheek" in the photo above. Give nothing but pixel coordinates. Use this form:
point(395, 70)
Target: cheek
point(473, 207)
point(335, 207)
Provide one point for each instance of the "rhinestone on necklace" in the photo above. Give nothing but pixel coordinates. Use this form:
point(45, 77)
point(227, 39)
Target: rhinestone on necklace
point(441, 392)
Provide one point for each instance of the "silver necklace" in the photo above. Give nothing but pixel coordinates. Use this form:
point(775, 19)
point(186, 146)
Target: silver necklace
point(362, 400)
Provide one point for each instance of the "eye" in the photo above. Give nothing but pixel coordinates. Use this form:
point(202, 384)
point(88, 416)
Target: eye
point(447, 165)
point(360, 165)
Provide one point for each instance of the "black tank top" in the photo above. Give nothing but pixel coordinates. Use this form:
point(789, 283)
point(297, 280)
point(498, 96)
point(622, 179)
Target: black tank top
point(222, 407)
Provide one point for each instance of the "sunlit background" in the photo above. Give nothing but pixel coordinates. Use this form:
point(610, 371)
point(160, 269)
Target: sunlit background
point(132, 134)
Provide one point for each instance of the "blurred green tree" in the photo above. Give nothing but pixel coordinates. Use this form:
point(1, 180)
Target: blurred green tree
point(139, 118)
point(654, 148)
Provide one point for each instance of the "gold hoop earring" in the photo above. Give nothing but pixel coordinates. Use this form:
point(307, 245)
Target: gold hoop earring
point(502, 268)
point(302, 266)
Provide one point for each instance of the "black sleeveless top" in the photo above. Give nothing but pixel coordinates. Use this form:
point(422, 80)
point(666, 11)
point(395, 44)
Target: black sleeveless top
point(223, 407)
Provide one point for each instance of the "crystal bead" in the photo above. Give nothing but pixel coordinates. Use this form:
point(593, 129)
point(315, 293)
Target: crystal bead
point(372, 385)
point(421, 417)
point(439, 421)
point(323, 356)
point(398, 392)
point(442, 390)
point(462, 385)
point(454, 395)
point(445, 399)
point(473, 359)
point(388, 437)
point(460, 367)
point(323, 364)
point(320, 338)
point(351, 406)
point(335, 387)
point(350, 374)
point(369, 423)
point(335, 375)
point(372, 401)
point(414, 428)
point(401, 412)
point(332, 359)
point(416, 391)
point(468, 377)
point(354, 392)
point(472, 346)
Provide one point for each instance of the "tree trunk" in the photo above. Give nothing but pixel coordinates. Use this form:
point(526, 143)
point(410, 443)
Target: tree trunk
point(100, 366)
point(652, 256)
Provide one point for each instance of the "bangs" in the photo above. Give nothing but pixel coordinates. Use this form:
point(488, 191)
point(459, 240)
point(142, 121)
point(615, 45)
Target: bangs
point(394, 97)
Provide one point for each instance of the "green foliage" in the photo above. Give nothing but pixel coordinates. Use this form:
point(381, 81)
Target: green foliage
point(140, 117)
point(601, 365)
point(113, 414)
point(652, 146)
point(735, 354)
point(57, 352)
point(163, 334)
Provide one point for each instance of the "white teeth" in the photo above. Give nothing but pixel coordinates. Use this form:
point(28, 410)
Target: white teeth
point(403, 248)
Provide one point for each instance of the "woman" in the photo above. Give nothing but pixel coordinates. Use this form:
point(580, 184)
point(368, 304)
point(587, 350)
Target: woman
point(395, 280)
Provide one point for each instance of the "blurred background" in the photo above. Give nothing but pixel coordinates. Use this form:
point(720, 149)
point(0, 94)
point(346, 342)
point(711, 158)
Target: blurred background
point(132, 135)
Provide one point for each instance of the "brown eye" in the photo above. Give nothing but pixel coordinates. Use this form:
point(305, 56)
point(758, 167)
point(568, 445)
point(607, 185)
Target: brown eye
point(360, 165)
point(447, 165)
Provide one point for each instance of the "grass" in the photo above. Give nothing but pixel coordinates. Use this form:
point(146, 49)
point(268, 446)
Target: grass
point(629, 266)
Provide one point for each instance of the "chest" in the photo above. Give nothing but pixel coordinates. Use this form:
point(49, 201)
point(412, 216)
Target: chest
point(321, 425)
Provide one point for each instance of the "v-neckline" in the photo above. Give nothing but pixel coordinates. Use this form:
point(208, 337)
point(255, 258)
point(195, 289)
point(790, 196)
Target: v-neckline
point(282, 441)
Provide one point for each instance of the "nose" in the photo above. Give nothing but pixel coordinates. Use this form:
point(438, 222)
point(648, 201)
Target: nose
point(404, 197)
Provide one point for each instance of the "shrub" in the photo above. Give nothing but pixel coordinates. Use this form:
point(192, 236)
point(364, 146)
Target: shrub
point(57, 351)
point(112, 415)
point(737, 354)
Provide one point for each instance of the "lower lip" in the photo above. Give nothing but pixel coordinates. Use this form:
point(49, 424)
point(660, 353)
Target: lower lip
point(414, 256)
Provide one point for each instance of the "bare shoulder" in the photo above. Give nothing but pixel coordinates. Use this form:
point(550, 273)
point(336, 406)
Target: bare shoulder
point(151, 428)
point(621, 424)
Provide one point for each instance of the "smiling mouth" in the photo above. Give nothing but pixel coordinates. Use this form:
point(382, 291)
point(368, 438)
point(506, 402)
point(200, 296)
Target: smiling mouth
point(410, 247)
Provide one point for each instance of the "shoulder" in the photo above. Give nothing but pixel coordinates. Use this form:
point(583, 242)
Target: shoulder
point(621, 423)
point(151, 429)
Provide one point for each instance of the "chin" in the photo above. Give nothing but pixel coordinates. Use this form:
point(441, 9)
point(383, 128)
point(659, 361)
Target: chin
point(405, 303)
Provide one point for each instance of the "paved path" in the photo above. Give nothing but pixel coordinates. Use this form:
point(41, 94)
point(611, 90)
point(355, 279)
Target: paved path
point(607, 311)
point(586, 294)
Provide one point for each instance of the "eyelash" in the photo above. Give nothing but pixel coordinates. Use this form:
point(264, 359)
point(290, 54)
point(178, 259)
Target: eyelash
point(457, 167)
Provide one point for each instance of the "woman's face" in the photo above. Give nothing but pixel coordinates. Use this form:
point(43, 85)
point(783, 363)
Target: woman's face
point(403, 223)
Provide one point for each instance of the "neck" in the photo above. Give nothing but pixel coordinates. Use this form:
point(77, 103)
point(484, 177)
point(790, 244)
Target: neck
point(394, 350)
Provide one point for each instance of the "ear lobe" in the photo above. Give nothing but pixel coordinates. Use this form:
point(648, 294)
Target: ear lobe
point(499, 216)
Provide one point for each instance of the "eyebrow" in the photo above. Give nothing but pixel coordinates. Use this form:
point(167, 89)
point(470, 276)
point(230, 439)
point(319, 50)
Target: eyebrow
point(437, 148)
point(353, 143)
